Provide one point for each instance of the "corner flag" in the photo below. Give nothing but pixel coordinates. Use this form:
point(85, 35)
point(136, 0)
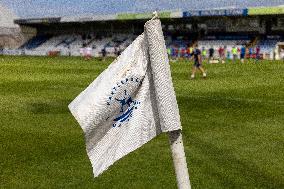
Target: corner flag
point(129, 103)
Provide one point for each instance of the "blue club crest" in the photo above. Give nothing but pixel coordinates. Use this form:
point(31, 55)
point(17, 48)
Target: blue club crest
point(127, 104)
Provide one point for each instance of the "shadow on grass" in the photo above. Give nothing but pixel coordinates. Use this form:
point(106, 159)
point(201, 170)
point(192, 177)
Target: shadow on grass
point(230, 167)
point(52, 107)
point(228, 102)
point(232, 115)
point(34, 88)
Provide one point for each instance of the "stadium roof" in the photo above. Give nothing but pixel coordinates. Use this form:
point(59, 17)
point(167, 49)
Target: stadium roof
point(109, 9)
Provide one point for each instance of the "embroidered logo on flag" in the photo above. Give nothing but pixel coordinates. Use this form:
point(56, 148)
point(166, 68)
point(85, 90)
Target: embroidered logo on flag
point(127, 103)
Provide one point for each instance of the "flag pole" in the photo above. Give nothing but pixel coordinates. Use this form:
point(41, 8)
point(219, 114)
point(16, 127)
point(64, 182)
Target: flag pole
point(166, 100)
point(179, 159)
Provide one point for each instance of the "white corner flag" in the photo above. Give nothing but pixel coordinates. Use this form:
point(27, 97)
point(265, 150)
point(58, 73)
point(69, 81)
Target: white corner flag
point(130, 103)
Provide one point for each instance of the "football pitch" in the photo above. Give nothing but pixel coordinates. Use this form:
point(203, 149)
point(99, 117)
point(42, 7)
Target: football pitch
point(233, 128)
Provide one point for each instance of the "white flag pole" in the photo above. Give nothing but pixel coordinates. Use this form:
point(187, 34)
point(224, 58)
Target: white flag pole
point(179, 159)
point(166, 100)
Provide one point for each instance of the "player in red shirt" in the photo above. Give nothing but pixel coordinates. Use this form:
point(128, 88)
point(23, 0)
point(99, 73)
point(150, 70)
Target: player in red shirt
point(257, 55)
point(221, 54)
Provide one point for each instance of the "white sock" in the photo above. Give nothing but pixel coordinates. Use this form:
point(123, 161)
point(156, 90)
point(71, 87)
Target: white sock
point(204, 74)
point(192, 76)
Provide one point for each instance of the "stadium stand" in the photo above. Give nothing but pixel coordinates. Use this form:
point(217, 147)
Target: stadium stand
point(71, 44)
point(229, 24)
point(35, 42)
point(267, 46)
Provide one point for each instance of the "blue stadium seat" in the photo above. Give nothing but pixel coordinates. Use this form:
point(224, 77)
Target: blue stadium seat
point(35, 41)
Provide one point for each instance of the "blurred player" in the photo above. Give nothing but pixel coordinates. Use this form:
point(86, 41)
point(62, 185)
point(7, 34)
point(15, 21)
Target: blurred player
point(243, 54)
point(204, 53)
point(176, 52)
point(282, 54)
point(197, 63)
point(169, 51)
point(173, 54)
point(225, 54)
point(250, 53)
point(188, 51)
point(235, 53)
point(88, 51)
point(103, 54)
point(183, 52)
point(221, 54)
point(257, 54)
point(211, 54)
point(117, 51)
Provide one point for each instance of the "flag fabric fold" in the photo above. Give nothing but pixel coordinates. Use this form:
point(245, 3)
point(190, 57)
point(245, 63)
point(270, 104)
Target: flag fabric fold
point(129, 103)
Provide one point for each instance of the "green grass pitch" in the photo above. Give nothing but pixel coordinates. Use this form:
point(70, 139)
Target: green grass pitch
point(233, 128)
